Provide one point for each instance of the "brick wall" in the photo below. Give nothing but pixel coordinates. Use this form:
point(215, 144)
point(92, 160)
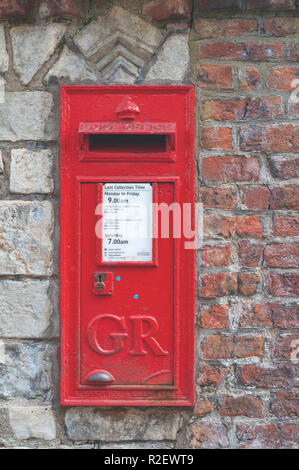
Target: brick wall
point(242, 56)
point(244, 66)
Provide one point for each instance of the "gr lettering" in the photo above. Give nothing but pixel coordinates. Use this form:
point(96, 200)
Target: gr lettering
point(144, 329)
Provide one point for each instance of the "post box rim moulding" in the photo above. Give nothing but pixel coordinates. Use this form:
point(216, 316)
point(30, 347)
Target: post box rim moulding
point(127, 304)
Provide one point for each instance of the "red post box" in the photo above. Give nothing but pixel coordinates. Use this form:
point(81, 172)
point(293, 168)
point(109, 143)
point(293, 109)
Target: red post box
point(127, 274)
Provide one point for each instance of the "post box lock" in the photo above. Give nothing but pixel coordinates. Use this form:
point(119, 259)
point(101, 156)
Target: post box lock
point(102, 283)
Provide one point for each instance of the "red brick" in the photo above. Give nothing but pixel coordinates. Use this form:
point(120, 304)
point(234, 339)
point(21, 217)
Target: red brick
point(16, 9)
point(255, 51)
point(217, 138)
point(256, 197)
point(250, 254)
point(203, 406)
point(286, 347)
point(251, 78)
point(76, 8)
point(246, 225)
point(212, 376)
point(282, 255)
point(286, 226)
point(229, 168)
point(292, 52)
point(253, 315)
point(223, 109)
point(245, 405)
point(222, 50)
point(265, 107)
point(227, 347)
point(248, 283)
point(284, 197)
point(284, 285)
point(284, 167)
point(216, 5)
point(240, 51)
point(281, 78)
point(215, 316)
point(284, 138)
point(248, 346)
point(217, 347)
point(214, 76)
point(208, 436)
point(268, 376)
point(285, 404)
point(219, 198)
point(268, 436)
point(215, 255)
point(167, 10)
point(271, 4)
point(212, 27)
point(218, 285)
point(281, 26)
point(285, 315)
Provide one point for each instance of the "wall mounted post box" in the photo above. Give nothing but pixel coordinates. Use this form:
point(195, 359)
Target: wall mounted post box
point(127, 275)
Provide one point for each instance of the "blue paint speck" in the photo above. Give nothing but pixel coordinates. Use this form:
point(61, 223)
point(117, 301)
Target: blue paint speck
point(136, 296)
point(117, 278)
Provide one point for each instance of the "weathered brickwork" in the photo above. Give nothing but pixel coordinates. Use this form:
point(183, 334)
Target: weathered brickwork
point(248, 160)
point(242, 56)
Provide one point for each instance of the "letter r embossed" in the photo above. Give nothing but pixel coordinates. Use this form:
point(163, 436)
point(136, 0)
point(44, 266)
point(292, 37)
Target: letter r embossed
point(140, 337)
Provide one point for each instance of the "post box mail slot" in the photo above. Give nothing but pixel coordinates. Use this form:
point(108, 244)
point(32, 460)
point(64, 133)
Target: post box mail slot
point(126, 140)
point(127, 262)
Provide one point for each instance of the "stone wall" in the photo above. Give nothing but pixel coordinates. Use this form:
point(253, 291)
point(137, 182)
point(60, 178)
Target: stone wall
point(241, 56)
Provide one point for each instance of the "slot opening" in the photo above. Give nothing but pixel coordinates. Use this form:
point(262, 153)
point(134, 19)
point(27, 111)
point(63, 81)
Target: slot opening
point(129, 143)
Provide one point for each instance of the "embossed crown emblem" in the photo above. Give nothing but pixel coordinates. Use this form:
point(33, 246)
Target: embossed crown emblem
point(127, 109)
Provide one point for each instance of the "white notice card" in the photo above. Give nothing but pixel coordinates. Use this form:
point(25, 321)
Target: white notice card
point(127, 222)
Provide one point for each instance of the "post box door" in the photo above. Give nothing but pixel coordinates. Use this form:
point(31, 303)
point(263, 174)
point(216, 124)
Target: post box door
point(127, 326)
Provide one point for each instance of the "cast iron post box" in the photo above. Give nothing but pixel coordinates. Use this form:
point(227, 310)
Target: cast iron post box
point(127, 275)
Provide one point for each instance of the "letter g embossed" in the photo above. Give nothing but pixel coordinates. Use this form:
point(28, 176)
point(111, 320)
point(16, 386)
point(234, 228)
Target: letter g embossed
point(117, 338)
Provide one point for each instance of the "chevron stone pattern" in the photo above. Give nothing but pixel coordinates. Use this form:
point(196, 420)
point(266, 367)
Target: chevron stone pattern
point(119, 43)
